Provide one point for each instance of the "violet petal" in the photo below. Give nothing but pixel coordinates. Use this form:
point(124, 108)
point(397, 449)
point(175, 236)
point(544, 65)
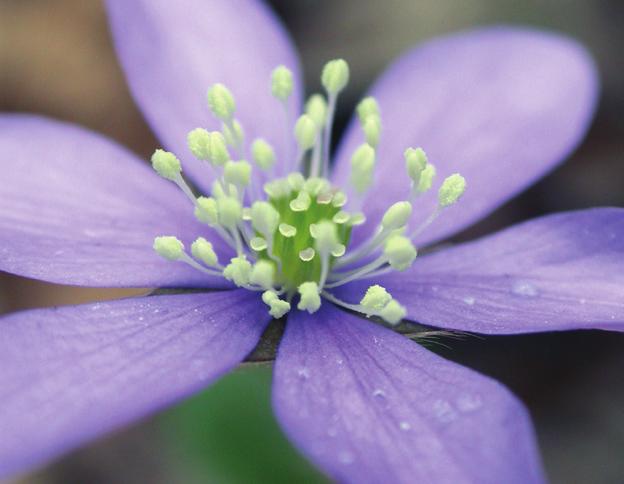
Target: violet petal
point(558, 272)
point(72, 374)
point(368, 405)
point(172, 52)
point(79, 209)
point(502, 106)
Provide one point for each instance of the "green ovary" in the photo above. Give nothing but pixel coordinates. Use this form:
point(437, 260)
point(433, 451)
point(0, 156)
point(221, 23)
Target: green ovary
point(293, 270)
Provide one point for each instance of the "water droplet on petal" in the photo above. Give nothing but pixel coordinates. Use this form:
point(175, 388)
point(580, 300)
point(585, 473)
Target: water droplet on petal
point(524, 288)
point(469, 403)
point(443, 411)
point(405, 426)
point(469, 300)
point(303, 373)
point(379, 394)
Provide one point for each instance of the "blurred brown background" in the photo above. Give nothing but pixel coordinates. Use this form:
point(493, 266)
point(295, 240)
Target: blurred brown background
point(56, 58)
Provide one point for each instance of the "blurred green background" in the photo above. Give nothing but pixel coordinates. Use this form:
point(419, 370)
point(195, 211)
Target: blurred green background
point(56, 58)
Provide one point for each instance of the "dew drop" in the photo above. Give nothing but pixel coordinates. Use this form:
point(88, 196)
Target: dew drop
point(524, 288)
point(303, 373)
point(379, 393)
point(444, 411)
point(405, 426)
point(469, 300)
point(468, 403)
point(339, 361)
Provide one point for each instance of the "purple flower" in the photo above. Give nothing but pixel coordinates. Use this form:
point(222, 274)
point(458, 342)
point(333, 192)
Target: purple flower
point(501, 105)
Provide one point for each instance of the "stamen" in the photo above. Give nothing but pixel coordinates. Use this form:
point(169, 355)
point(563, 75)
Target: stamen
point(334, 78)
point(238, 271)
point(309, 299)
point(221, 102)
point(169, 247)
point(237, 173)
point(362, 165)
point(277, 240)
point(263, 274)
point(316, 108)
point(451, 190)
point(281, 83)
point(203, 251)
point(263, 154)
point(278, 307)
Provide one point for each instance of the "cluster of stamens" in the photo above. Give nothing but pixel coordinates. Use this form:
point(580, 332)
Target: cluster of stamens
point(291, 236)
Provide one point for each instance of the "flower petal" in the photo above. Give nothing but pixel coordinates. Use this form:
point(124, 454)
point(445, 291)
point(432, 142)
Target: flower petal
point(559, 272)
point(368, 405)
point(502, 106)
point(79, 209)
point(172, 52)
point(72, 374)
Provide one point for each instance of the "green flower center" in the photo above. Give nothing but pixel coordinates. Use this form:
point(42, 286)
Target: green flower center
point(291, 235)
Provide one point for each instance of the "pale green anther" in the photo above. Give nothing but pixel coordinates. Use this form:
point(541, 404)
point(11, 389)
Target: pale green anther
point(278, 307)
point(206, 210)
point(452, 189)
point(258, 244)
point(397, 215)
point(217, 190)
point(325, 236)
point(230, 212)
point(309, 299)
point(324, 198)
point(277, 188)
point(339, 199)
point(335, 76)
point(372, 129)
point(263, 154)
point(219, 153)
point(301, 203)
point(296, 181)
point(341, 217)
point(263, 274)
point(169, 247)
point(400, 252)
point(316, 108)
point(366, 108)
point(415, 163)
point(375, 299)
point(426, 178)
point(237, 173)
point(339, 250)
point(306, 255)
point(281, 82)
point(221, 102)
point(264, 218)
point(166, 164)
point(315, 185)
point(238, 271)
point(362, 165)
point(305, 132)
point(357, 218)
point(287, 230)
point(246, 214)
point(203, 251)
point(233, 136)
point(199, 142)
point(393, 313)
